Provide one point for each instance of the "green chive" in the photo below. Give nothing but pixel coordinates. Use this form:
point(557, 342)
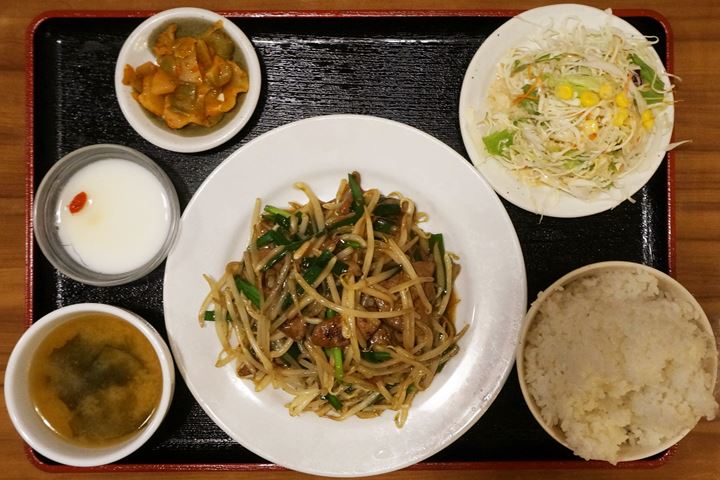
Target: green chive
point(339, 268)
point(335, 353)
point(264, 239)
point(250, 291)
point(287, 301)
point(387, 210)
point(344, 222)
point(271, 236)
point(351, 243)
point(315, 266)
point(357, 194)
point(383, 225)
point(358, 205)
point(333, 401)
point(290, 247)
point(376, 357)
point(274, 260)
point(209, 316)
point(294, 351)
point(279, 220)
point(437, 239)
point(277, 211)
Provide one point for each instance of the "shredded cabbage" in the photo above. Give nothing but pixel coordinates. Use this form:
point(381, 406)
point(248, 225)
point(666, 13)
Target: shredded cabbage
point(574, 108)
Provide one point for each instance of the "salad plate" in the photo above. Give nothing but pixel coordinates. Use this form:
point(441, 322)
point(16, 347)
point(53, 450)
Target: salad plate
point(391, 156)
point(536, 189)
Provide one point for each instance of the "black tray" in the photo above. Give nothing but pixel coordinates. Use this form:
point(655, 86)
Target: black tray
point(407, 67)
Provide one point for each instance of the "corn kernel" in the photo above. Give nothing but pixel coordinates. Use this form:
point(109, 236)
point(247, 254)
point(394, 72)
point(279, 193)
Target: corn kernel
point(564, 91)
point(621, 114)
point(606, 91)
point(589, 98)
point(621, 100)
point(648, 119)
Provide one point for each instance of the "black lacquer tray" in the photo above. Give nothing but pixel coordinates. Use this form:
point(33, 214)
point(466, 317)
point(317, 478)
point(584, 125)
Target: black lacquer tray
point(405, 66)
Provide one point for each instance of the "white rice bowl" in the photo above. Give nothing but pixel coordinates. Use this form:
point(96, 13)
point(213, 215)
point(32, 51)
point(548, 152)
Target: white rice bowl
point(618, 362)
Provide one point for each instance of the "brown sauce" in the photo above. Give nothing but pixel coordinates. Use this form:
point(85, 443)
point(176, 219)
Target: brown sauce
point(95, 380)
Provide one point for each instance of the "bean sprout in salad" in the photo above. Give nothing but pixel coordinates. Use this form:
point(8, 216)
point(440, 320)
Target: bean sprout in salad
point(574, 108)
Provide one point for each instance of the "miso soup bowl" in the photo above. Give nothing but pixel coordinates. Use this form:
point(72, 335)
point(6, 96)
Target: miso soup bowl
point(28, 422)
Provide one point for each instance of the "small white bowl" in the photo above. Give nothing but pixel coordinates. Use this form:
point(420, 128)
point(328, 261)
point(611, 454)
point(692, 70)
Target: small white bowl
point(665, 283)
point(47, 206)
point(137, 50)
point(28, 422)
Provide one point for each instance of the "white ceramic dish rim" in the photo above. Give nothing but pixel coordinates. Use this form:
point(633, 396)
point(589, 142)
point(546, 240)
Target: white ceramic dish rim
point(666, 280)
point(481, 71)
point(136, 51)
point(29, 424)
point(320, 151)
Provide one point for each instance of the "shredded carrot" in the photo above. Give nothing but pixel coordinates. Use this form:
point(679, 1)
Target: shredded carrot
point(531, 94)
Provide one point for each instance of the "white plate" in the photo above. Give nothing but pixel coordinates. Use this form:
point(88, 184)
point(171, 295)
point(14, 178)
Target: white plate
point(393, 157)
point(483, 70)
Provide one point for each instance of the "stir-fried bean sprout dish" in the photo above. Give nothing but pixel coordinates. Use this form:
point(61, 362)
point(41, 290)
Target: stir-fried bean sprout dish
point(346, 305)
point(574, 108)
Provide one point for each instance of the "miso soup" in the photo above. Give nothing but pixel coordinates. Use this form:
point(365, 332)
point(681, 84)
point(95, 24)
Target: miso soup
point(95, 380)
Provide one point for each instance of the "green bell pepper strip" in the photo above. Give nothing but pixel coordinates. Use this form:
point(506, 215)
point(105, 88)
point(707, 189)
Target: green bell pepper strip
point(655, 92)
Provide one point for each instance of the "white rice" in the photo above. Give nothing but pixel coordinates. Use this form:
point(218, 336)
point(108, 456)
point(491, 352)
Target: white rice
point(616, 363)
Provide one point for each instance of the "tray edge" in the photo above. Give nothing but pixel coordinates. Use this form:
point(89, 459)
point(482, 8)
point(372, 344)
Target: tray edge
point(29, 257)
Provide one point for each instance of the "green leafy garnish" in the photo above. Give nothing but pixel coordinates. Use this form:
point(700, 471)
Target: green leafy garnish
point(498, 142)
point(654, 87)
